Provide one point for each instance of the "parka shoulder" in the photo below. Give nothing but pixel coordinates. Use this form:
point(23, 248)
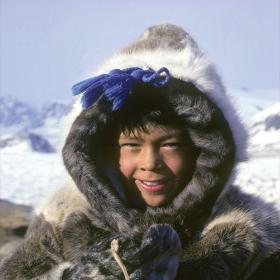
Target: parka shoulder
point(65, 201)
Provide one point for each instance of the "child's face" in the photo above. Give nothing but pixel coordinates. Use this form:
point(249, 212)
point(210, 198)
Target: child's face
point(156, 165)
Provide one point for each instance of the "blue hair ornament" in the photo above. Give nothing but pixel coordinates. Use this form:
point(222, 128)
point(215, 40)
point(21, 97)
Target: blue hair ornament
point(117, 84)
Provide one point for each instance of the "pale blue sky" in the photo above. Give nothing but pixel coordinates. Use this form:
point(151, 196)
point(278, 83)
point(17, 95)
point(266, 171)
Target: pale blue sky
point(47, 45)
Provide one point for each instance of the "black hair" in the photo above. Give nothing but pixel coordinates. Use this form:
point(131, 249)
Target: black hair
point(147, 105)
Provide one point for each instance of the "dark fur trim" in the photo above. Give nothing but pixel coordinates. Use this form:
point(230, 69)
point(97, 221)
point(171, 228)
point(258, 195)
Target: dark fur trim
point(209, 133)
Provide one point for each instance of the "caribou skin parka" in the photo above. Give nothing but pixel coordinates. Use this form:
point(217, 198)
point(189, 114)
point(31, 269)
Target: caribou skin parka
point(210, 230)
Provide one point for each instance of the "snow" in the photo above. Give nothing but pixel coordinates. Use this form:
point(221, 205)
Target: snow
point(264, 138)
point(264, 128)
point(27, 176)
point(272, 110)
point(260, 176)
point(250, 102)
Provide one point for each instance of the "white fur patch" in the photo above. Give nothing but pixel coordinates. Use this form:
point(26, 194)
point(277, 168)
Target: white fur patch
point(55, 273)
point(233, 217)
point(64, 201)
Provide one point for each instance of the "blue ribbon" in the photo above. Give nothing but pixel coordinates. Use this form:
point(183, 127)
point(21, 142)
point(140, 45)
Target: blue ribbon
point(117, 84)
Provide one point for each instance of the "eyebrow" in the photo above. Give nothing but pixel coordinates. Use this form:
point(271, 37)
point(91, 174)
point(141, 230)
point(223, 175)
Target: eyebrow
point(171, 135)
point(131, 137)
point(163, 138)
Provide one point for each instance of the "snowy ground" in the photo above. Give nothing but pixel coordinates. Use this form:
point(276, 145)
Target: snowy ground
point(28, 176)
point(261, 176)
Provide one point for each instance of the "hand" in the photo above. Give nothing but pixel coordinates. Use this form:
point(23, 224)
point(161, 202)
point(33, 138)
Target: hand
point(159, 254)
point(95, 263)
point(155, 256)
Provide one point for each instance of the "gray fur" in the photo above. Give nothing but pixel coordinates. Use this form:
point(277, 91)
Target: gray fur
point(165, 36)
point(154, 257)
point(41, 251)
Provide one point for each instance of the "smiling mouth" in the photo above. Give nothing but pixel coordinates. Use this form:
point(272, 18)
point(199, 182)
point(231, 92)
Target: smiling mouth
point(153, 186)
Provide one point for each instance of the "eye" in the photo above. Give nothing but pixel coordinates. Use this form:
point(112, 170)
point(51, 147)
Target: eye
point(130, 145)
point(172, 145)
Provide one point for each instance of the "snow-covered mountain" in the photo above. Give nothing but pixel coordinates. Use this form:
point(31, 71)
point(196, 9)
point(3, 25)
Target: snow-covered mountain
point(29, 172)
point(54, 110)
point(249, 102)
point(21, 115)
point(260, 175)
point(17, 115)
point(264, 130)
point(37, 126)
point(32, 141)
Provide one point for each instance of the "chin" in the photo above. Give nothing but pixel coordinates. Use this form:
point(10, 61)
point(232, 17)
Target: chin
point(156, 202)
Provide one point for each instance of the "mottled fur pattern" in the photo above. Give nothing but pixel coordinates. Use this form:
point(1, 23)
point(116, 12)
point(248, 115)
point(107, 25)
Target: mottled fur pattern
point(41, 250)
point(211, 230)
point(155, 257)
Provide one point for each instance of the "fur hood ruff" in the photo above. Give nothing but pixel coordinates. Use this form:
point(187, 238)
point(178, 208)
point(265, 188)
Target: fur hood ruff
point(185, 62)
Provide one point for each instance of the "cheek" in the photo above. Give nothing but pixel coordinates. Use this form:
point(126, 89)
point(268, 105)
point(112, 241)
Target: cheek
point(126, 165)
point(177, 164)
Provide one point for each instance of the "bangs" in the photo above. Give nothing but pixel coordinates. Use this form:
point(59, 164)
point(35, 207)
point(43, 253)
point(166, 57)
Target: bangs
point(144, 123)
point(148, 105)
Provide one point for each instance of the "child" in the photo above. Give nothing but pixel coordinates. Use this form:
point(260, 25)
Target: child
point(151, 153)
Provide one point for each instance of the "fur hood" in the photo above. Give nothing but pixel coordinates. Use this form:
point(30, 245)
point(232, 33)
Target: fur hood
point(210, 119)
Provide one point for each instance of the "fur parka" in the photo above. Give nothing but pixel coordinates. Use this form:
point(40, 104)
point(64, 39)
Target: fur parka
point(210, 230)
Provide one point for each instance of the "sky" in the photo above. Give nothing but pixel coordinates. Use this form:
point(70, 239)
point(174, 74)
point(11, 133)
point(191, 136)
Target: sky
point(46, 45)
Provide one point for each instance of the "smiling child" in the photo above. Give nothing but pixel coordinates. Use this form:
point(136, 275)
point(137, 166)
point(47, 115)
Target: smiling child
point(151, 151)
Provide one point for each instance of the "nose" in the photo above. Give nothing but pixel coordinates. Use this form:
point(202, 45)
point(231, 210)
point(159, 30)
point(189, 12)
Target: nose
point(150, 159)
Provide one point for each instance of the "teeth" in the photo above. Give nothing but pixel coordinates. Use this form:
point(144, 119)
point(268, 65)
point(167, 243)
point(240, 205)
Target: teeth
point(151, 183)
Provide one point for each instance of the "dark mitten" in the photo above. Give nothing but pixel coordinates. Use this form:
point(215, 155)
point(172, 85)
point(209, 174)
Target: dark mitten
point(154, 257)
point(159, 254)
